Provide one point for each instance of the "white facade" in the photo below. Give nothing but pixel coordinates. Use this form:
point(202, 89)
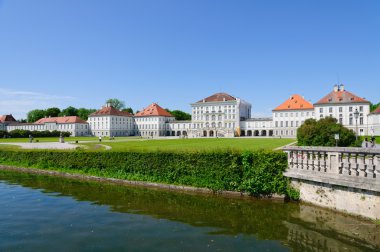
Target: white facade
point(111, 125)
point(219, 115)
point(256, 127)
point(111, 122)
point(342, 105)
point(374, 123)
point(75, 129)
point(152, 126)
point(286, 122)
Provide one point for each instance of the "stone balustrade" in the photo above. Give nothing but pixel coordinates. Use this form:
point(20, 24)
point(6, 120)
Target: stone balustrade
point(351, 167)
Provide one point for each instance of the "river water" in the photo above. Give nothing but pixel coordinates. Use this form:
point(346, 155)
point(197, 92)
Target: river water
point(43, 213)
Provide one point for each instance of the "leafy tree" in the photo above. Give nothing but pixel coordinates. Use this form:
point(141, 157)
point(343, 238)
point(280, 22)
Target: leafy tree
point(84, 113)
point(116, 103)
point(69, 111)
point(374, 106)
point(22, 121)
point(35, 115)
point(180, 115)
point(52, 112)
point(322, 132)
point(129, 110)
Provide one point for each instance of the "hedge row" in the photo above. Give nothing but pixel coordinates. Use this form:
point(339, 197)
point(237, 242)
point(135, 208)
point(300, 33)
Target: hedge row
point(26, 133)
point(257, 173)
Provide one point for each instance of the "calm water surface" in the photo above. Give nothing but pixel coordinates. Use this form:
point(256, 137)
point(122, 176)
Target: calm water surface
point(42, 213)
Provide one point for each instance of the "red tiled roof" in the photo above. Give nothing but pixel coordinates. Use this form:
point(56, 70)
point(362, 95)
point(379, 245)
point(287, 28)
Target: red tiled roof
point(61, 119)
point(218, 97)
point(295, 102)
point(154, 110)
point(7, 118)
point(341, 96)
point(376, 111)
point(109, 110)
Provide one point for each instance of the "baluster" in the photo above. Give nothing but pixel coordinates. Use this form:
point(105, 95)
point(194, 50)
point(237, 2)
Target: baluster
point(289, 154)
point(324, 162)
point(313, 160)
point(355, 166)
point(292, 153)
point(346, 164)
point(307, 160)
point(340, 163)
point(318, 168)
point(362, 165)
point(371, 166)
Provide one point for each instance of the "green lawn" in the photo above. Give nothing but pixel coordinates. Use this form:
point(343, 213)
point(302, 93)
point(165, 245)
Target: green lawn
point(203, 144)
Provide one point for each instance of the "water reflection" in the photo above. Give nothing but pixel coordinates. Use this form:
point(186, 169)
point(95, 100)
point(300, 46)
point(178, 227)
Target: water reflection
point(236, 224)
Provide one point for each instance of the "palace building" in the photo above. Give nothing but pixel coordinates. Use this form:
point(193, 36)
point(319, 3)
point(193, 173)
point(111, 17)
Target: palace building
point(73, 124)
point(218, 115)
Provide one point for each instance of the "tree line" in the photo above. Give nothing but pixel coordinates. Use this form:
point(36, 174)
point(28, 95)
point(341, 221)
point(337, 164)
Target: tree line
point(36, 114)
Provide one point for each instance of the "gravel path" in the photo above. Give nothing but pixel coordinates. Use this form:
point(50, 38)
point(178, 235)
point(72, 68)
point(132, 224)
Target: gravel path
point(55, 146)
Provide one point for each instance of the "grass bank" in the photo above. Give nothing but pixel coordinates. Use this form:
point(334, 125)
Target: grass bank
point(253, 172)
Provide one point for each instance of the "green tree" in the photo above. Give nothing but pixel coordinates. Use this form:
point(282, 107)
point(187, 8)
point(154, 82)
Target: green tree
point(52, 112)
point(84, 113)
point(322, 132)
point(116, 103)
point(374, 106)
point(129, 110)
point(180, 115)
point(35, 115)
point(69, 111)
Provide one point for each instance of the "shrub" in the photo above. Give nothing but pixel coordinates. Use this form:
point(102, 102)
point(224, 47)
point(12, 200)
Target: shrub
point(257, 173)
point(321, 133)
point(18, 133)
point(3, 133)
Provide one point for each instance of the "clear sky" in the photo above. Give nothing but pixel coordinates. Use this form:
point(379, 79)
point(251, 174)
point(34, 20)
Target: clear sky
point(175, 52)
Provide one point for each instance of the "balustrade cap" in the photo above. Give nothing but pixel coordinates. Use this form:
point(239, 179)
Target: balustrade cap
point(333, 149)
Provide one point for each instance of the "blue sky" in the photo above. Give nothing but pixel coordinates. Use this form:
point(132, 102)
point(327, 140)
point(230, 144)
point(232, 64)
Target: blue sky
point(174, 52)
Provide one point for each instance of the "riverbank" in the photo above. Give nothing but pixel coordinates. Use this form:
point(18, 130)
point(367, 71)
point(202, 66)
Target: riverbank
point(256, 173)
point(167, 187)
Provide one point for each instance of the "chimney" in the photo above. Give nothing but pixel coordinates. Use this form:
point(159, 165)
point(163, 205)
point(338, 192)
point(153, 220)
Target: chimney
point(203, 100)
point(336, 88)
point(341, 88)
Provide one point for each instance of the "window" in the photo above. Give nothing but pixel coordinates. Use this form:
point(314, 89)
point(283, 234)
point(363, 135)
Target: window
point(361, 121)
point(340, 109)
point(350, 109)
point(330, 110)
point(361, 108)
point(351, 121)
point(276, 123)
point(341, 120)
point(321, 110)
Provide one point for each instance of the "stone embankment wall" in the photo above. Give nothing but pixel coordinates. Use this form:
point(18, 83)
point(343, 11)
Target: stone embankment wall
point(344, 179)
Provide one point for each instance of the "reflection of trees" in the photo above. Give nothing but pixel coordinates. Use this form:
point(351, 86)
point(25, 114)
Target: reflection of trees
point(272, 220)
